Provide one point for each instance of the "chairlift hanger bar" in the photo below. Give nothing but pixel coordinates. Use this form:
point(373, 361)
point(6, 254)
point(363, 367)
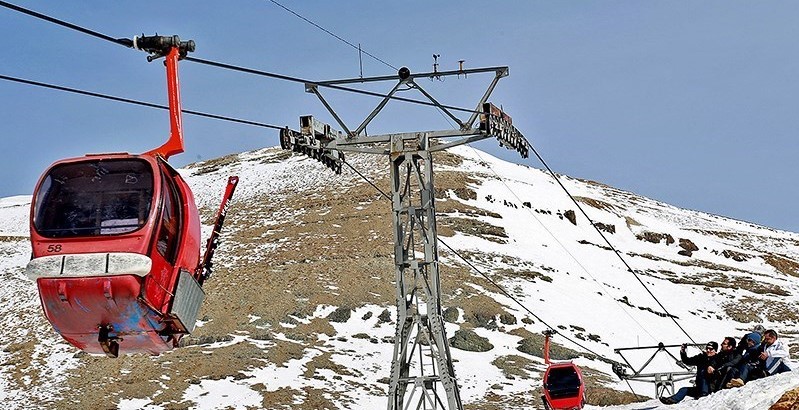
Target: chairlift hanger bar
point(501, 71)
point(659, 346)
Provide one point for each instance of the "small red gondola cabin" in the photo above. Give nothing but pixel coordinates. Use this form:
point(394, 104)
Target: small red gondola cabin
point(563, 383)
point(116, 240)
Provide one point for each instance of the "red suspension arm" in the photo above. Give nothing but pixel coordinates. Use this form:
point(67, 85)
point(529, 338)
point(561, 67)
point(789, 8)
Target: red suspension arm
point(174, 145)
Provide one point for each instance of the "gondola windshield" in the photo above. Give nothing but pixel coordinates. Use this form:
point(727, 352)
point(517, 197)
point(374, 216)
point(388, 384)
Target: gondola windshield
point(563, 382)
point(96, 197)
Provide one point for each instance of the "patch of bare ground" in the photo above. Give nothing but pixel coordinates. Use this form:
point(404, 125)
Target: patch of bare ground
point(497, 400)
point(631, 222)
point(523, 273)
point(456, 207)
point(782, 264)
point(719, 280)
point(472, 227)
point(597, 394)
point(596, 203)
point(278, 156)
point(11, 238)
point(458, 183)
point(788, 401)
point(140, 376)
point(211, 165)
point(748, 310)
point(447, 158)
point(516, 367)
point(336, 251)
point(693, 262)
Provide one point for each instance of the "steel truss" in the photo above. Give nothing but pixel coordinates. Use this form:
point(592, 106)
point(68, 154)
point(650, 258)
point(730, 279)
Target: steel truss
point(663, 381)
point(422, 374)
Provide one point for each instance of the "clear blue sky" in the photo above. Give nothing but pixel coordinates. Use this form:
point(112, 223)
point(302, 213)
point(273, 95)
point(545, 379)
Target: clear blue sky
point(693, 103)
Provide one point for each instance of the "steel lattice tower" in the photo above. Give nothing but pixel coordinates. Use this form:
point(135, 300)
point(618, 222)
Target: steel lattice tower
point(422, 374)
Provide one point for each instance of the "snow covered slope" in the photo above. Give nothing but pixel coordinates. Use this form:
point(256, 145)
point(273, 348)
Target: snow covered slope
point(299, 313)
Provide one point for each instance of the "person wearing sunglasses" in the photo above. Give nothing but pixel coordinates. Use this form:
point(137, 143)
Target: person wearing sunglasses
point(703, 362)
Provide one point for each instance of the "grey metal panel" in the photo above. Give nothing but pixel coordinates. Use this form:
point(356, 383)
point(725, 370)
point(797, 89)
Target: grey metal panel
point(84, 264)
point(89, 264)
point(129, 264)
point(188, 299)
point(44, 266)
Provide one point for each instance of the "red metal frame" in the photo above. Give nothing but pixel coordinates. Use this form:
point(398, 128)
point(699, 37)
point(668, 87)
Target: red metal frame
point(174, 145)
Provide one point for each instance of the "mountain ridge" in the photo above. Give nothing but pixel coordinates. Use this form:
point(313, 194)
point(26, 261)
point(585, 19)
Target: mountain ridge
point(295, 315)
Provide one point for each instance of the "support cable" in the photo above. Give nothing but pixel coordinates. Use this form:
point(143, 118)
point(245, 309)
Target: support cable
point(128, 43)
point(135, 102)
point(618, 254)
point(332, 34)
point(476, 269)
point(574, 258)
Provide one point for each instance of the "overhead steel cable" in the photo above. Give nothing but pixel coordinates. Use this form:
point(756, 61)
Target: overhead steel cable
point(128, 43)
point(500, 287)
point(481, 273)
point(615, 251)
point(134, 102)
point(555, 238)
point(322, 84)
point(332, 34)
point(63, 23)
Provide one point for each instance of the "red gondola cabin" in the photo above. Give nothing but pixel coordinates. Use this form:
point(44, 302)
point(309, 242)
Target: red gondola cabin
point(111, 235)
point(116, 240)
point(563, 387)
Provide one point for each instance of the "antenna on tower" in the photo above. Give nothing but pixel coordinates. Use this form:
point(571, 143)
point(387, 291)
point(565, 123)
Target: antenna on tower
point(435, 68)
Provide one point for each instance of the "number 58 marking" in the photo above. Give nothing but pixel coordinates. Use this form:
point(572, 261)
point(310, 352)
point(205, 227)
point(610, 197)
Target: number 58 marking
point(54, 248)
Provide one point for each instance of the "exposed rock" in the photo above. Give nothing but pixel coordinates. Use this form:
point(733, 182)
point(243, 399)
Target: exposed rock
point(482, 319)
point(571, 216)
point(736, 256)
point(534, 346)
point(340, 315)
point(783, 265)
point(609, 228)
point(465, 339)
point(451, 314)
point(367, 316)
point(655, 237)
point(384, 317)
point(688, 245)
point(685, 252)
point(507, 319)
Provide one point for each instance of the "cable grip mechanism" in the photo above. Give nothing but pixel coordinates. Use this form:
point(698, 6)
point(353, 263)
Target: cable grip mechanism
point(159, 46)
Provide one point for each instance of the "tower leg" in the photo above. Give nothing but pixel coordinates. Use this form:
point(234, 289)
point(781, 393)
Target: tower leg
point(422, 375)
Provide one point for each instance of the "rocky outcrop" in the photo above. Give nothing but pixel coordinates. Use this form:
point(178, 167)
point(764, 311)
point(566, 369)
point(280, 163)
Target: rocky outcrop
point(655, 237)
point(471, 342)
point(688, 245)
point(451, 314)
point(609, 228)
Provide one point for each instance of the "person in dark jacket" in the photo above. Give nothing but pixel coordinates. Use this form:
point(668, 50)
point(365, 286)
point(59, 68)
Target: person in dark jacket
point(727, 358)
point(703, 362)
point(748, 367)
